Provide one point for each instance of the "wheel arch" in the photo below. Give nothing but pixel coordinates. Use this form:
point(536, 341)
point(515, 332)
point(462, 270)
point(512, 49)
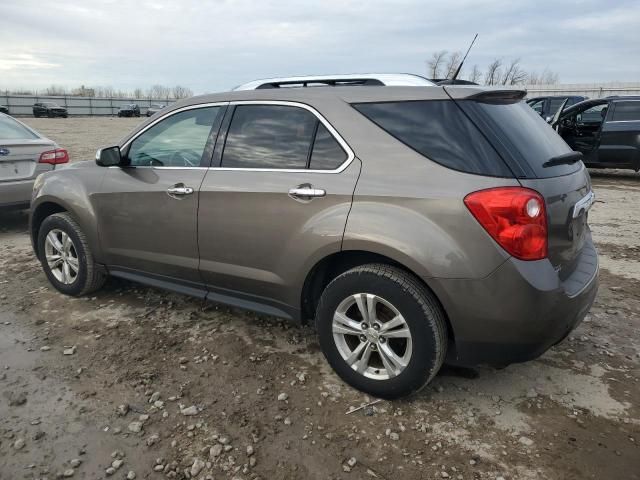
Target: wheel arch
point(337, 263)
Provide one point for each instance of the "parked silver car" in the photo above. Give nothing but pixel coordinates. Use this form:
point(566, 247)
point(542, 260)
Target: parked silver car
point(24, 154)
point(409, 224)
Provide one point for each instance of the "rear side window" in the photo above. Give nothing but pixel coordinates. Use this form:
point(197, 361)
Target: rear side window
point(280, 137)
point(525, 140)
point(554, 104)
point(626, 111)
point(440, 131)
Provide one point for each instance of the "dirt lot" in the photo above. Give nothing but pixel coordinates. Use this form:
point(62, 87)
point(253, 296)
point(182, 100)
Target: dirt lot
point(167, 386)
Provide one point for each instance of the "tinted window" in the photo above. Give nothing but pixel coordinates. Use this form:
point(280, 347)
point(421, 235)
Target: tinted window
point(537, 106)
point(626, 111)
point(12, 130)
point(554, 104)
point(439, 130)
point(327, 154)
point(525, 138)
point(177, 141)
point(269, 136)
point(593, 114)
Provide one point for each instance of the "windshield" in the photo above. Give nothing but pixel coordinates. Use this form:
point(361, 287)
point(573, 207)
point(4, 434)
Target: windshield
point(50, 104)
point(523, 136)
point(12, 130)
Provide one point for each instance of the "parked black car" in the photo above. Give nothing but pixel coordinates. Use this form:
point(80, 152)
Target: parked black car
point(605, 130)
point(130, 110)
point(4, 109)
point(154, 108)
point(548, 106)
point(49, 109)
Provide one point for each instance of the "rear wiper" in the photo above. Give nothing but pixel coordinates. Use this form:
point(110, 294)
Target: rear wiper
point(564, 159)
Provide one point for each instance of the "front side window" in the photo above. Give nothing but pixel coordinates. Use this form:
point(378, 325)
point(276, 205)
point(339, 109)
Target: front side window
point(593, 114)
point(626, 111)
point(177, 141)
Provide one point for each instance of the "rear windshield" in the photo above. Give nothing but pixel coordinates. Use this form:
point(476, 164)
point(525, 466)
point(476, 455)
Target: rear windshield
point(440, 131)
point(12, 130)
point(522, 137)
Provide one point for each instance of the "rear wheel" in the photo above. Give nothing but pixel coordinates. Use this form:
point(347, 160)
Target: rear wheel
point(66, 257)
point(381, 330)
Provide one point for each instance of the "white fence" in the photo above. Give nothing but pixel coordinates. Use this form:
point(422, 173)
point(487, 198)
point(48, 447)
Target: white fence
point(591, 90)
point(23, 104)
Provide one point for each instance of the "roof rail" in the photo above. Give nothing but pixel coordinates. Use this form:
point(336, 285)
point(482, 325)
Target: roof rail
point(366, 79)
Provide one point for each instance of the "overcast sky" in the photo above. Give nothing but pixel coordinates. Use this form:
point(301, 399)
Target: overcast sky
point(214, 45)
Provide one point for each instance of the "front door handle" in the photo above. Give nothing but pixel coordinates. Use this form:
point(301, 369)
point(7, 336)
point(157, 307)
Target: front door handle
point(306, 192)
point(180, 190)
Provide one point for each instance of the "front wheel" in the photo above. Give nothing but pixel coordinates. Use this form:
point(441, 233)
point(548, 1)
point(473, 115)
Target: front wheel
point(381, 330)
point(66, 257)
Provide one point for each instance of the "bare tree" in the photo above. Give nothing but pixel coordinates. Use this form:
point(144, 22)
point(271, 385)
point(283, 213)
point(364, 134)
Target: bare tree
point(159, 91)
point(55, 90)
point(476, 74)
point(547, 77)
point(436, 63)
point(492, 77)
point(138, 93)
point(453, 62)
point(513, 74)
point(182, 92)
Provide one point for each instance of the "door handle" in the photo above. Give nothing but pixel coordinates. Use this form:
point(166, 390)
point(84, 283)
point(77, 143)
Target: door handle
point(306, 192)
point(180, 190)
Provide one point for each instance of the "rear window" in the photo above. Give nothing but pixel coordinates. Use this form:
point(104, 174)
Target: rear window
point(521, 136)
point(12, 130)
point(440, 131)
point(626, 111)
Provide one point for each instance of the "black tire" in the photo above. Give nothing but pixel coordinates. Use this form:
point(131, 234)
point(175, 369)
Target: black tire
point(89, 277)
point(418, 306)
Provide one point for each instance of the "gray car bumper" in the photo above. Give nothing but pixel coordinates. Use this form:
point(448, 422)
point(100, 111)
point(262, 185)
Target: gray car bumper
point(519, 311)
point(16, 194)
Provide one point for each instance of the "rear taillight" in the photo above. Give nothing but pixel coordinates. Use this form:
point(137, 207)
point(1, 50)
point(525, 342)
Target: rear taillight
point(515, 217)
point(54, 157)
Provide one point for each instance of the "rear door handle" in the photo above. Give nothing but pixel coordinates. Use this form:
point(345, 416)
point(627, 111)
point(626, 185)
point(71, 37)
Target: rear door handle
point(306, 192)
point(180, 190)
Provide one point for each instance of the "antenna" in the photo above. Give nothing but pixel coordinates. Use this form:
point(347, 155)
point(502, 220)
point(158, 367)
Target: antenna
point(455, 75)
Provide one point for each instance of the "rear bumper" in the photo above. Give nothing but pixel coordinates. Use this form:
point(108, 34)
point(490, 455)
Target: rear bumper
point(519, 311)
point(16, 194)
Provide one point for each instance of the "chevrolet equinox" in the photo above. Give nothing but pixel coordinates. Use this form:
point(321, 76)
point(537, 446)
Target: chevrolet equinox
point(411, 225)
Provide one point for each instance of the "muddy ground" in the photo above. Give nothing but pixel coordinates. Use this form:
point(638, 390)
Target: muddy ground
point(163, 386)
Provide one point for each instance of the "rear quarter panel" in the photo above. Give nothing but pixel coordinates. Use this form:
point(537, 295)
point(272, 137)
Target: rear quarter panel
point(411, 209)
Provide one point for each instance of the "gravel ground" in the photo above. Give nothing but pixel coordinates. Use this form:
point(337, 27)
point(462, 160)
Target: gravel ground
point(157, 385)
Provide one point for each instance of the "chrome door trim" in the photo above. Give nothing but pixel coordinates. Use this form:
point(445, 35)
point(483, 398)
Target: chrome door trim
point(324, 121)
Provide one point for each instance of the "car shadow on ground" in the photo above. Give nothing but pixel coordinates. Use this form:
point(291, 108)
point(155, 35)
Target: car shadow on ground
point(14, 221)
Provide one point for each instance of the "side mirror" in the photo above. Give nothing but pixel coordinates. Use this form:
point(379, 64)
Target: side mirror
point(109, 157)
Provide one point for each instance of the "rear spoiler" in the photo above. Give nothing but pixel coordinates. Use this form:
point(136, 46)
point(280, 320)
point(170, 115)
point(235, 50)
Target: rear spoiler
point(500, 97)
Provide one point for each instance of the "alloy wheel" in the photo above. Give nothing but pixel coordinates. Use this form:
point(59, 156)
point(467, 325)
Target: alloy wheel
point(62, 256)
point(372, 336)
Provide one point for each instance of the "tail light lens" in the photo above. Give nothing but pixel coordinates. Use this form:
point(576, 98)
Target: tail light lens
point(54, 157)
point(515, 217)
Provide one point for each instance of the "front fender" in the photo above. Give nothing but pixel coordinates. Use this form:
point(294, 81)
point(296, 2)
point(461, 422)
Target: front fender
point(69, 189)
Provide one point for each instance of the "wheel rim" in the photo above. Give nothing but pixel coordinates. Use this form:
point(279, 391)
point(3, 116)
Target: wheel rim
point(372, 336)
point(62, 256)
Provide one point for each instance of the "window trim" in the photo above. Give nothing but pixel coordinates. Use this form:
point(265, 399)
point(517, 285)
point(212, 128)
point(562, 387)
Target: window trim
point(130, 140)
point(313, 111)
point(613, 113)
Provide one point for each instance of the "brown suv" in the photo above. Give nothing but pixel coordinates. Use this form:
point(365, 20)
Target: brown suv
point(411, 224)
